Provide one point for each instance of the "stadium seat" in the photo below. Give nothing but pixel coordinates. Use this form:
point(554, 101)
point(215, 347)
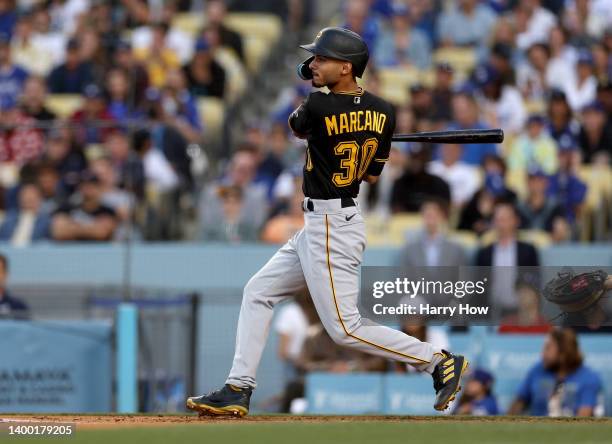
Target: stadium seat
point(376, 230)
point(516, 180)
point(267, 27)
point(212, 113)
point(539, 238)
point(401, 225)
point(535, 106)
point(395, 82)
point(462, 60)
point(256, 50)
point(64, 105)
point(188, 22)
point(236, 79)
point(465, 238)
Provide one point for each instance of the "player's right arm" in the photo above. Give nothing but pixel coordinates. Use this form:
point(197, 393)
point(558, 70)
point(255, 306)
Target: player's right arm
point(300, 120)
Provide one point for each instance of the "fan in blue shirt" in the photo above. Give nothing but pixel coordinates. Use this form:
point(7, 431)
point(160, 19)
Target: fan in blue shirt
point(12, 77)
point(560, 385)
point(478, 398)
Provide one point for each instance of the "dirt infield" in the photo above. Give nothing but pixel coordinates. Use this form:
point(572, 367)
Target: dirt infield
point(112, 420)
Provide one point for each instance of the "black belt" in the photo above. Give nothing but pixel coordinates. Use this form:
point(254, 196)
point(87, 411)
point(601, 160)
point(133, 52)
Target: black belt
point(345, 203)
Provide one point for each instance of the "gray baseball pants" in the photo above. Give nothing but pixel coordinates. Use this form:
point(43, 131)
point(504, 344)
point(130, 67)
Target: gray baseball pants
point(324, 256)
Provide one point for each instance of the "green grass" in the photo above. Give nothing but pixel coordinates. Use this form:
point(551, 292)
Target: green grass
point(376, 432)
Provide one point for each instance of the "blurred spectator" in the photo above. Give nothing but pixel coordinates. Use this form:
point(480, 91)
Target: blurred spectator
point(93, 122)
point(93, 53)
point(601, 61)
point(359, 20)
point(10, 306)
point(127, 162)
point(504, 255)
point(533, 22)
point(465, 115)
point(158, 172)
point(12, 76)
point(167, 137)
point(20, 141)
point(33, 100)
point(122, 105)
point(53, 194)
point(73, 75)
point(477, 399)
point(463, 179)
point(234, 225)
point(157, 57)
point(501, 104)
point(604, 96)
point(120, 201)
point(216, 12)
point(378, 195)
point(528, 319)
point(205, 77)
point(432, 248)
point(416, 185)
point(503, 58)
point(561, 52)
point(68, 161)
point(562, 125)
point(29, 223)
point(8, 17)
point(291, 323)
point(282, 227)
point(541, 212)
point(241, 173)
point(534, 148)
point(595, 135)
point(421, 104)
point(560, 384)
point(468, 23)
point(581, 87)
point(477, 214)
point(565, 185)
point(583, 21)
point(402, 45)
point(137, 76)
point(47, 38)
point(507, 250)
point(26, 52)
point(539, 74)
point(179, 106)
point(65, 15)
point(442, 94)
point(89, 220)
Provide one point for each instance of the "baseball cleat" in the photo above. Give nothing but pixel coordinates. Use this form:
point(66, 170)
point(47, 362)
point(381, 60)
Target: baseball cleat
point(447, 378)
point(228, 401)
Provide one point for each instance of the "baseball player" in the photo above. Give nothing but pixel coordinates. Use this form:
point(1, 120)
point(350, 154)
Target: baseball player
point(349, 135)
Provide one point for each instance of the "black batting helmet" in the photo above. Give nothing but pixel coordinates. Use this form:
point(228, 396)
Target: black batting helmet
point(337, 43)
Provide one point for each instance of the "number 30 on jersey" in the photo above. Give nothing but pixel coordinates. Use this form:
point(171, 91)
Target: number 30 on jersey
point(354, 161)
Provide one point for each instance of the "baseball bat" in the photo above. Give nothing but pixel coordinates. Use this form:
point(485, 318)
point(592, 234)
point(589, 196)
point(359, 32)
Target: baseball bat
point(454, 136)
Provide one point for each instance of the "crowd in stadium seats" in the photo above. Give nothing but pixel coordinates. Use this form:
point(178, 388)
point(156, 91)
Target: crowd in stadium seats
point(122, 99)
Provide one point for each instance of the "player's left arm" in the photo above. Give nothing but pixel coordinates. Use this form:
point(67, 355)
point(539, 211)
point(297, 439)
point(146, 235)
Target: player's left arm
point(382, 152)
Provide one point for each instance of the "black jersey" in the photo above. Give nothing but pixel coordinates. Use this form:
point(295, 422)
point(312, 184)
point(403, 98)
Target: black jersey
point(349, 137)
